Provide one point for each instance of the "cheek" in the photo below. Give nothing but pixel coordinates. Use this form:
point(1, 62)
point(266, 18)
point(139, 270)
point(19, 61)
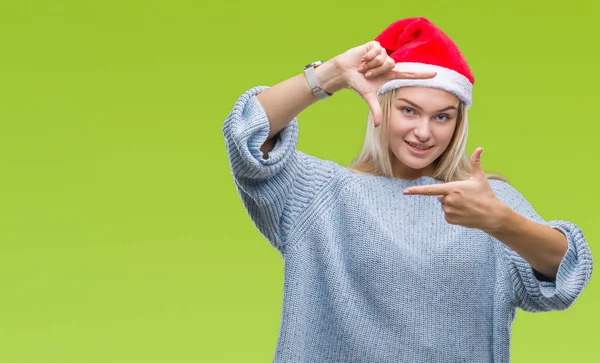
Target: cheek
point(443, 132)
point(445, 135)
point(398, 127)
point(396, 133)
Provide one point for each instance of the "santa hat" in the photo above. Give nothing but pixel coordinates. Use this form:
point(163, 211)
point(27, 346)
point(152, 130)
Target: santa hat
point(416, 44)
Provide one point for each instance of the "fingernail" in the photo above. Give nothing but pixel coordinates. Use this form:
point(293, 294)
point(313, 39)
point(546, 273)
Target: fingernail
point(360, 69)
point(369, 74)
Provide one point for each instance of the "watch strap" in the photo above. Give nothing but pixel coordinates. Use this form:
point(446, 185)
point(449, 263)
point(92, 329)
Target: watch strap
point(313, 82)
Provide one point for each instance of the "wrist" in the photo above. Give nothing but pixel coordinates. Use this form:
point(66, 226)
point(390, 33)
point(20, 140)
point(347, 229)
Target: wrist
point(330, 77)
point(501, 219)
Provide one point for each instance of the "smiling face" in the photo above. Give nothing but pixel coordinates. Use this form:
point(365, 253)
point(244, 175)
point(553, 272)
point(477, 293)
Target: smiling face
point(421, 125)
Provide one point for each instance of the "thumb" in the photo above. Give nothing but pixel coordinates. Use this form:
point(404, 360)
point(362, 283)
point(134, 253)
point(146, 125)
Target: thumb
point(477, 169)
point(374, 106)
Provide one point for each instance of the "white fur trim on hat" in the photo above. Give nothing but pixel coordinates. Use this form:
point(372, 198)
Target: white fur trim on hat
point(445, 79)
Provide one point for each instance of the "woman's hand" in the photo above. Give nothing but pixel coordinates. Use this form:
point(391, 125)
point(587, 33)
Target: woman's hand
point(469, 203)
point(367, 68)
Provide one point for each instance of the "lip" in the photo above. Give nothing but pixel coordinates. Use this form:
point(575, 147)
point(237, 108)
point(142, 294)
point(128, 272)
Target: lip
point(415, 151)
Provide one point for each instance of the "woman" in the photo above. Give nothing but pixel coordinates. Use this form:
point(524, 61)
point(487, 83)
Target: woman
point(377, 269)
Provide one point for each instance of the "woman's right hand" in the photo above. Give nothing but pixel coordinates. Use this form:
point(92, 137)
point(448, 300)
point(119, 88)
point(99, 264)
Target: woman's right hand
point(366, 68)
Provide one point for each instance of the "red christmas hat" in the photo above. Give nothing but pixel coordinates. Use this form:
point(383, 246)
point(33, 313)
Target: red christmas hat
point(416, 44)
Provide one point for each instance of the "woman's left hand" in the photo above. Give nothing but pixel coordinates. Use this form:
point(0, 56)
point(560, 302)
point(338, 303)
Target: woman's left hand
point(470, 203)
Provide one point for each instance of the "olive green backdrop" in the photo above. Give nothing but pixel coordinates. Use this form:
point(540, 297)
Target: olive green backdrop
point(122, 238)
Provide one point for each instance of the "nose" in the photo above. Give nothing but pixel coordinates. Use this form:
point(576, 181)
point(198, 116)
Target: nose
point(422, 130)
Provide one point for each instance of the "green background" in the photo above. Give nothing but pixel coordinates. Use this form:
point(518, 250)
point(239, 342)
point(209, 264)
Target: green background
point(122, 236)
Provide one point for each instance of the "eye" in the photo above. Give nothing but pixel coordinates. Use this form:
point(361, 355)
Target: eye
point(408, 110)
point(442, 117)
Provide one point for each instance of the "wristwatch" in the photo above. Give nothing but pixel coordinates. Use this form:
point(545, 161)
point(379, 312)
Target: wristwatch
point(313, 82)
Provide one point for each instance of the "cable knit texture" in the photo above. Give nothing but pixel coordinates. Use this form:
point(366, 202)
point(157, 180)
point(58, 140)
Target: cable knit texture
point(372, 275)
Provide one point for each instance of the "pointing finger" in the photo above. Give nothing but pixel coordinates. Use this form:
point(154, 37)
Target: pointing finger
point(435, 189)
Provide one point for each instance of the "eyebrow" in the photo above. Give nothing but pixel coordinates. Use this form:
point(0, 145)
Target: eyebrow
point(421, 109)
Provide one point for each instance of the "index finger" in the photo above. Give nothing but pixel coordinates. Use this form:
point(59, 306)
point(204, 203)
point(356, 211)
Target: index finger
point(435, 189)
point(400, 74)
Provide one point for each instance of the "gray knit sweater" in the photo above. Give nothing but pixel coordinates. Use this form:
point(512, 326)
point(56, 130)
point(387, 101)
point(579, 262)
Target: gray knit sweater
point(372, 275)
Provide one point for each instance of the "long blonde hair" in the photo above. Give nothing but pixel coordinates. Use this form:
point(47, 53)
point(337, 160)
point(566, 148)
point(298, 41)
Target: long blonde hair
point(375, 157)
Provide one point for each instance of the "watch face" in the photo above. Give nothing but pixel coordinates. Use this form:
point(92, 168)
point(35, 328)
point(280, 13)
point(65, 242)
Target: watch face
point(313, 64)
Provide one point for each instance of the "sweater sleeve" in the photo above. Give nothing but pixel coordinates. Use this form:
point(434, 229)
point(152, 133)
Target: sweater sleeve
point(533, 292)
point(277, 189)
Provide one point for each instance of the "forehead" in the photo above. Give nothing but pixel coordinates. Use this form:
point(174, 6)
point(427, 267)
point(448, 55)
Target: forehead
point(427, 97)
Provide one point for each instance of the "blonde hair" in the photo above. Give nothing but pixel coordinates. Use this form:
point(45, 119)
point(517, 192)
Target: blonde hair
point(376, 159)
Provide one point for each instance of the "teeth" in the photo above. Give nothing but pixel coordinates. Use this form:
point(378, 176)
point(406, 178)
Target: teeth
point(419, 147)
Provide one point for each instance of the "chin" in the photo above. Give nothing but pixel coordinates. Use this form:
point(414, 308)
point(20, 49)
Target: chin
point(417, 165)
point(413, 162)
